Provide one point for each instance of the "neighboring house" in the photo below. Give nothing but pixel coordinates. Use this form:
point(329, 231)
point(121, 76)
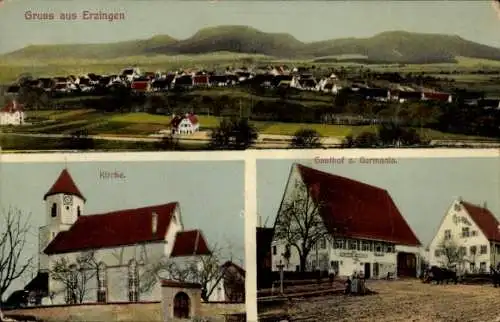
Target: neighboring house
point(308, 83)
point(218, 80)
point(183, 81)
point(187, 124)
point(130, 73)
point(437, 97)
point(124, 243)
point(489, 103)
point(201, 80)
point(471, 229)
point(328, 85)
point(141, 84)
point(229, 286)
point(12, 114)
point(406, 96)
point(366, 231)
point(376, 94)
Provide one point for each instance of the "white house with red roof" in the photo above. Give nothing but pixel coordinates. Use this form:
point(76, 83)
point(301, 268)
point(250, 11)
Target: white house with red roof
point(187, 124)
point(12, 114)
point(123, 244)
point(365, 232)
point(472, 231)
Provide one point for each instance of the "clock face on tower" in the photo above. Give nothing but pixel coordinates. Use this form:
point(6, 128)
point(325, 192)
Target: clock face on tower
point(67, 200)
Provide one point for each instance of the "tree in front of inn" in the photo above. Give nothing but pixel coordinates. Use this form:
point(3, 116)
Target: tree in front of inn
point(300, 223)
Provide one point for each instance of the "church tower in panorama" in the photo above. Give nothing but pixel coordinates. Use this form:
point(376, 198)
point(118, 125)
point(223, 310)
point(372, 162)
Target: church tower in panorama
point(64, 203)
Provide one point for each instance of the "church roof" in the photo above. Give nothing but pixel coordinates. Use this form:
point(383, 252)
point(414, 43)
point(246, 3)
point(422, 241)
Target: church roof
point(64, 184)
point(357, 210)
point(189, 243)
point(113, 229)
point(486, 221)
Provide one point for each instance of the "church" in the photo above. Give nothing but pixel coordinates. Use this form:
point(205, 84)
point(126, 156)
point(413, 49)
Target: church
point(114, 247)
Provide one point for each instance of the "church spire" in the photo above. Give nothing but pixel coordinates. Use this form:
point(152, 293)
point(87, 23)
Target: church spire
point(64, 184)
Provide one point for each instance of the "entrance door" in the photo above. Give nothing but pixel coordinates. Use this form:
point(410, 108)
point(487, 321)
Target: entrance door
point(335, 267)
point(368, 270)
point(181, 305)
point(407, 264)
point(376, 270)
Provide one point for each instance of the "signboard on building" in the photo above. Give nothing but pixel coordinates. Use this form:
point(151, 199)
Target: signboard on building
point(353, 254)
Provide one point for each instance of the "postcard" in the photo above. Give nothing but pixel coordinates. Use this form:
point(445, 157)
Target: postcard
point(351, 236)
point(231, 75)
point(122, 239)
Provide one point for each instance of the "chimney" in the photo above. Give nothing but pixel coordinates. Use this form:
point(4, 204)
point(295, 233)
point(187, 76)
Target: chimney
point(187, 115)
point(485, 205)
point(154, 223)
point(259, 220)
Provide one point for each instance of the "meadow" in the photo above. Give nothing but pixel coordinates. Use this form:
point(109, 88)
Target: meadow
point(144, 124)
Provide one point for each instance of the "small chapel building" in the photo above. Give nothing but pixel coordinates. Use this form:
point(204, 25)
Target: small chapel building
point(123, 243)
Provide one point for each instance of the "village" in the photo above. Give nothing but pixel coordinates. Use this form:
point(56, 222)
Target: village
point(327, 107)
point(361, 245)
point(397, 89)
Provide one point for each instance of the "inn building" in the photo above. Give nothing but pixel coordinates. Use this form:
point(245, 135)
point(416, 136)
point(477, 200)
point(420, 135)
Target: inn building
point(366, 231)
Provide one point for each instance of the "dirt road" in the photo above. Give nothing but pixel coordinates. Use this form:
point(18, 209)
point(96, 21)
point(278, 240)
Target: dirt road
point(404, 301)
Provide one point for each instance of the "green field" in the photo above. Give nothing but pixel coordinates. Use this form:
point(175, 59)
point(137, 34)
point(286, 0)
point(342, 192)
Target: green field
point(143, 124)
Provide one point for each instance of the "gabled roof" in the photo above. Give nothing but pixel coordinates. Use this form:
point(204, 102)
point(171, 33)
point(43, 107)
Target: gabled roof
point(238, 268)
point(113, 229)
point(357, 210)
point(485, 220)
point(12, 107)
point(189, 243)
point(176, 120)
point(64, 184)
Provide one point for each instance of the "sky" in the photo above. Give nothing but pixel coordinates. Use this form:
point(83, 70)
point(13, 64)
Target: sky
point(205, 203)
point(423, 189)
point(306, 20)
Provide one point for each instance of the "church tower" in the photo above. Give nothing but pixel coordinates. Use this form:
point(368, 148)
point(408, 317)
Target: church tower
point(64, 204)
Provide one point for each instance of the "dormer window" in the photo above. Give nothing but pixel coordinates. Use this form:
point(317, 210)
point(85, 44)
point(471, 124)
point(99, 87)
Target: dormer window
point(53, 210)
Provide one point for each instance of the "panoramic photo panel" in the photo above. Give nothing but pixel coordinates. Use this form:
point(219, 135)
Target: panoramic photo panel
point(122, 241)
point(107, 75)
point(352, 237)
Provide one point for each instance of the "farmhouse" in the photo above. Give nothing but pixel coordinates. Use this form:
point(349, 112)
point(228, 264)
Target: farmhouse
point(12, 114)
point(467, 238)
point(230, 284)
point(118, 247)
point(360, 227)
point(187, 124)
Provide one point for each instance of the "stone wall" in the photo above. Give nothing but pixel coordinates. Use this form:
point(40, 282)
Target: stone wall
point(119, 312)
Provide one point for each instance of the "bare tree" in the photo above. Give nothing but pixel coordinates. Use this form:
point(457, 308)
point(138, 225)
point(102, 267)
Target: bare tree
point(200, 269)
point(75, 276)
point(451, 255)
point(299, 223)
point(13, 235)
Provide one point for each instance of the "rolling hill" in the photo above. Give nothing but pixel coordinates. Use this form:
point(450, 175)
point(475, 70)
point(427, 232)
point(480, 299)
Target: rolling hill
point(386, 47)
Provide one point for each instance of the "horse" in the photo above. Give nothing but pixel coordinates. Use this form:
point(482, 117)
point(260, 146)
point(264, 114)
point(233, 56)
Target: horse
point(440, 275)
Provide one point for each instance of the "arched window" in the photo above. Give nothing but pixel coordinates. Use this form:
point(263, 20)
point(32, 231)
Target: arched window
point(72, 285)
point(78, 211)
point(53, 210)
point(133, 281)
point(102, 284)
